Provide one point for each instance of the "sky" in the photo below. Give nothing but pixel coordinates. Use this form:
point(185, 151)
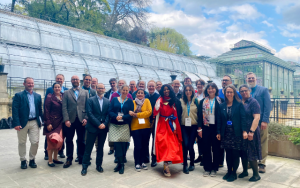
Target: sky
point(213, 26)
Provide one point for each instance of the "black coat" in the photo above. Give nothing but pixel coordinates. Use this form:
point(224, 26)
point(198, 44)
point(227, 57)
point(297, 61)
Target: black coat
point(20, 109)
point(238, 118)
point(96, 116)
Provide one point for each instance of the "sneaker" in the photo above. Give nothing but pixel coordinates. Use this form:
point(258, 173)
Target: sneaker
point(261, 169)
point(213, 173)
point(138, 168)
point(144, 166)
point(166, 171)
point(206, 173)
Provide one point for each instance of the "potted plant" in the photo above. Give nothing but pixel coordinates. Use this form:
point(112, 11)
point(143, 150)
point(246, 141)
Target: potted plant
point(284, 141)
point(1, 66)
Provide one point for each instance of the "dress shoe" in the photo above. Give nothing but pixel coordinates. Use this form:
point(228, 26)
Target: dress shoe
point(51, 165)
point(226, 176)
point(232, 177)
point(117, 168)
point(84, 171)
point(110, 152)
point(99, 169)
point(185, 170)
point(32, 164)
point(254, 178)
point(191, 168)
point(125, 160)
point(46, 158)
point(77, 159)
point(57, 162)
point(67, 164)
point(62, 155)
point(198, 160)
point(243, 174)
point(153, 164)
point(23, 164)
point(261, 169)
point(122, 168)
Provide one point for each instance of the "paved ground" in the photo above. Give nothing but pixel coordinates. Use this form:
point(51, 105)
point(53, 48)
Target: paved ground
point(281, 172)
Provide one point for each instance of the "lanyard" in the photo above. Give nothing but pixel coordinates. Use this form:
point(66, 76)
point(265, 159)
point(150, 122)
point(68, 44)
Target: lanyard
point(119, 93)
point(122, 103)
point(211, 106)
point(87, 89)
point(189, 108)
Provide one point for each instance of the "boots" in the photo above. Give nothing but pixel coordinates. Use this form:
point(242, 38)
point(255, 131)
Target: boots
point(121, 162)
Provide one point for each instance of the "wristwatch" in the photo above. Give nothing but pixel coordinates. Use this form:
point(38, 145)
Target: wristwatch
point(199, 130)
point(251, 131)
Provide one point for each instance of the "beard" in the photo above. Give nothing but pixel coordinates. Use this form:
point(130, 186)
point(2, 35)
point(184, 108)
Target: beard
point(252, 85)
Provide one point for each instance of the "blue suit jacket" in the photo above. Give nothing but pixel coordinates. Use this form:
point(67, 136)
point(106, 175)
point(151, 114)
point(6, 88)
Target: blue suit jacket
point(20, 109)
point(262, 96)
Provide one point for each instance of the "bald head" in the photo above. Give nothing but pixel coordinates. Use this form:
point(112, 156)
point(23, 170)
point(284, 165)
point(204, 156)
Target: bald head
point(176, 85)
point(75, 81)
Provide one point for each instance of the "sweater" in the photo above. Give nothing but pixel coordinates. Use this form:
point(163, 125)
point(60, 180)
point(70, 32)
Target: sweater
point(115, 108)
point(146, 112)
point(193, 112)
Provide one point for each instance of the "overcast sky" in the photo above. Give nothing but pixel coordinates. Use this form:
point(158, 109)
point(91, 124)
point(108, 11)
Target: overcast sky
point(213, 25)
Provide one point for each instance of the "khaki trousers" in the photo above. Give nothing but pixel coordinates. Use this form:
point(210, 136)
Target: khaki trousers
point(264, 145)
point(33, 131)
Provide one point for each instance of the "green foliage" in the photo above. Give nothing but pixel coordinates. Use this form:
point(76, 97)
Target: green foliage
point(170, 40)
point(278, 131)
point(294, 136)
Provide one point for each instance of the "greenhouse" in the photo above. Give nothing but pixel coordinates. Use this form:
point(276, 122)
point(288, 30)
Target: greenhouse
point(248, 56)
point(41, 49)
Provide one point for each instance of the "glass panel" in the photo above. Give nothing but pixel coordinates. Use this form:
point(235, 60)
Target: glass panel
point(131, 53)
point(200, 67)
point(178, 63)
point(148, 57)
point(30, 63)
point(3, 55)
point(102, 70)
point(19, 30)
point(127, 73)
point(69, 65)
point(291, 82)
point(203, 77)
point(280, 79)
point(217, 81)
point(268, 76)
point(190, 66)
point(275, 90)
point(85, 43)
point(55, 37)
point(164, 60)
point(109, 48)
point(286, 83)
point(147, 74)
point(164, 76)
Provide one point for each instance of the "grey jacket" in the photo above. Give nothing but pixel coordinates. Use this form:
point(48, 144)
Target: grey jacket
point(72, 108)
point(262, 96)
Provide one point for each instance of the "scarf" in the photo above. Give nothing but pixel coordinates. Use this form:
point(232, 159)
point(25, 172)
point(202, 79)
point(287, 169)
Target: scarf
point(206, 108)
point(139, 104)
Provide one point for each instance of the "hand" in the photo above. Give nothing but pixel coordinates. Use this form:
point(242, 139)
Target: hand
point(84, 121)
point(49, 127)
point(18, 128)
point(152, 124)
point(263, 125)
point(250, 136)
point(200, 133)
point(119, 118)
point(102, 126)
point(68, 123)
point(218, 136)
point(131, 113)
point(245, 135)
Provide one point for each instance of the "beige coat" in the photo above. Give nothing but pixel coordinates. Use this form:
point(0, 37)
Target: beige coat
point(72, 108)
point(193, 112)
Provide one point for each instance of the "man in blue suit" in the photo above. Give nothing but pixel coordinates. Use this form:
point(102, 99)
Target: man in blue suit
point(27, 120)
point(261, 94)
point(60, 78)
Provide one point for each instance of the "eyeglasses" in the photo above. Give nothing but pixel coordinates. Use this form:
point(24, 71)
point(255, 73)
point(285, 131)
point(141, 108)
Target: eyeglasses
point(87, 79)
point(229, 92)
point(251, 78)
point(225, 80)
point(100, 88)
point(244, 91)
point(75, 79)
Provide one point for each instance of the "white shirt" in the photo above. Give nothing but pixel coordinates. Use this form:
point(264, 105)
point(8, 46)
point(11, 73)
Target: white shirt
point(200, 97)
point(100, 101)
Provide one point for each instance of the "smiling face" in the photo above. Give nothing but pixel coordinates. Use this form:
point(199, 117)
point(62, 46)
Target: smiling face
point(59, 79)
point(158, 86)
point(57, 88)
point(200, 87)
point(151, 87)
point(166, 91)
point(188, 92)
point(113, 84)
point(142, 84)
point(140, 94)
point(176, 85)
point(251, 80)
point(245, 92)
point(75, 81)
point(124, 92)
point(229, 94)
point(211, 91)
point(29, 84)
point(187, 82)
point(87, 81)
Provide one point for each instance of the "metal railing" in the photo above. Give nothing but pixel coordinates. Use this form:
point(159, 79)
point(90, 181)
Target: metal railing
point(285, 111)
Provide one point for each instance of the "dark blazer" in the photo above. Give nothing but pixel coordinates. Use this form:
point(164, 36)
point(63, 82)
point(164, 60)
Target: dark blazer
point(153, 100)
point(179, 95)
point(107, 94)
point(217, 113)
point(91, 92)
point(238, 118)
point(178, 109)
point(115, 108)
point(96, 115)
point(20, 109)
point(262, 96)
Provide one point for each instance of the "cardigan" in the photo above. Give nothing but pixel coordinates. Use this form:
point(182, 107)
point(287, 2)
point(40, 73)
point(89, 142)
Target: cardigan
point(193, 111)
point(145, 113)
point(115, 108)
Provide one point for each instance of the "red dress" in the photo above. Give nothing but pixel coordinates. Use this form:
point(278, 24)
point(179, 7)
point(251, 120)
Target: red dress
point(168, 143)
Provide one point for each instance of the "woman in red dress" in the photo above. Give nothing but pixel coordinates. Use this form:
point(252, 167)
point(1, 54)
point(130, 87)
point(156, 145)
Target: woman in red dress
point(168, 139)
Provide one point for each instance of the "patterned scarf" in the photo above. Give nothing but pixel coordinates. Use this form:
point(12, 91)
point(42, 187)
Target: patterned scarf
point(139, 104)
point(206, 108)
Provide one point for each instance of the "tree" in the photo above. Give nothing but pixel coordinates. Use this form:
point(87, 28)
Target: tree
point(170, 40)
point(137, 35)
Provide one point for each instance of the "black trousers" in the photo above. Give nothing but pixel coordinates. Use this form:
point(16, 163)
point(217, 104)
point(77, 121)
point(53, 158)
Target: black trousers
point(120, 149)
point(90, 141)
point(232, 160)
point(141, 139)
point(189, 135)
point(199, 144)
point(69, 133)
point(153, 157)
point(211, 148)
point(46, 145)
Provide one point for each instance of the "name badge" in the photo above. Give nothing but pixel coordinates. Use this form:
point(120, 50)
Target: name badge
point(229, 123)
point(188, 122)
point(141, 121)
point(211, 119)
point(120, 114)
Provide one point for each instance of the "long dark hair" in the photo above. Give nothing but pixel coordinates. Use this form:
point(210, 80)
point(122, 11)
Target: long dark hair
point(172, 94)
point(213, 85)
point(236, 96)
point(184, 97)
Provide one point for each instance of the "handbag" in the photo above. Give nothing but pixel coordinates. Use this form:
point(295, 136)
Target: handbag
point(118, 133)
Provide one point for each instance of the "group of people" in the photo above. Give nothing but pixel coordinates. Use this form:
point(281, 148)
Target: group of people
point(220, 120)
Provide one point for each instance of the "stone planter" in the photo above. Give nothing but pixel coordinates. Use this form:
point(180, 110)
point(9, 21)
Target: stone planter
point(284, 148)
